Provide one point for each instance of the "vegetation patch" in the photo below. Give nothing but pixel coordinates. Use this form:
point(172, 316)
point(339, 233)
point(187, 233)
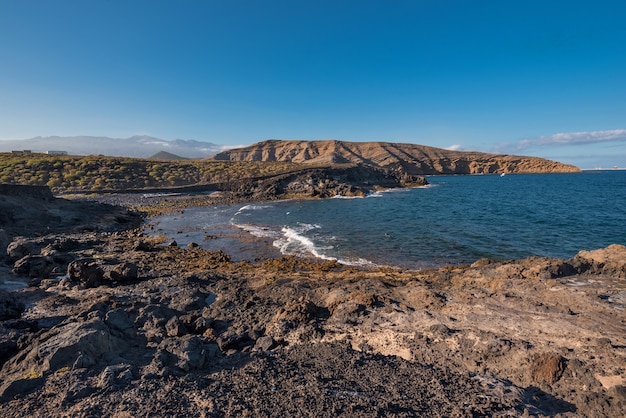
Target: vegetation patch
point(66, 173)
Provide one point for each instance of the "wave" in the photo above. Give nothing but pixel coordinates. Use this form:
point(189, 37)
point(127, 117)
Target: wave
point(257, 231)
point(250, 207)
point(294, 242)
point(346, 197)
point(382, 193)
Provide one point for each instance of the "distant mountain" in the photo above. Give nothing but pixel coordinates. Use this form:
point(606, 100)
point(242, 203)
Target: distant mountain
point(137, 146)
point(410, 158)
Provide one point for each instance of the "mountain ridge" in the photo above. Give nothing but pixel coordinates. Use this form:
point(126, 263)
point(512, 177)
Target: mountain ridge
point(410, 158)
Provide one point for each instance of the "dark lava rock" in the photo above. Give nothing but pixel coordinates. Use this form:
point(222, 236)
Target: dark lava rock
point(34, 266)
point(75, 344)
point(174, 327)
point(123, 272)
point(86, 271)
point(10, 306)
point(142, 246)
point(188, 353)
point(265, 343)
point(4, 241)
point(20, 248)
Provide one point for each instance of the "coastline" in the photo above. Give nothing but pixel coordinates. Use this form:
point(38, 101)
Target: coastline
point(453, 221)
point(186, 331)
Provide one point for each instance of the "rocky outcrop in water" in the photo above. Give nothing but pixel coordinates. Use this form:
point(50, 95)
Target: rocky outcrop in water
point(408, 158)
point(354, 180)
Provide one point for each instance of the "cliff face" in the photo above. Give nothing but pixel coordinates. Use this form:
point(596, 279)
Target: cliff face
point(409, 158)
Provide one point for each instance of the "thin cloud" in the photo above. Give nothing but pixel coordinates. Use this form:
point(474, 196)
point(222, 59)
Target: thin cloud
point(228, 147)
point(573, 138)
point(454, 147)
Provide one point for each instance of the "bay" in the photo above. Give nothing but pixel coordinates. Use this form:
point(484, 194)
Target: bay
point(455, 220)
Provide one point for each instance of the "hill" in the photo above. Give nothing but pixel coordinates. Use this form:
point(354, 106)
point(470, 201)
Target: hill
point(409, 158)
point(166, 156)
point(248, 180)
point(64, 173)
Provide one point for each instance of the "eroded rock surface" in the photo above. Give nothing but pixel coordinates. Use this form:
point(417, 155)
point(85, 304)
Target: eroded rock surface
point(131, 326)
point(409, 158)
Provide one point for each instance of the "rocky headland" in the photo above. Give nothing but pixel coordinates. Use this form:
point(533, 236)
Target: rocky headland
point(411, 159)
point(323, 182)
point(98, 318)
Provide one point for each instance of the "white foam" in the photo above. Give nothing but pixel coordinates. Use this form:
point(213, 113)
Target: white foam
point(346, 197)
point(257, 231)
point(148, 195)
point(382, 193)
point(294, 242)
point(250, 207)
point(361, 262)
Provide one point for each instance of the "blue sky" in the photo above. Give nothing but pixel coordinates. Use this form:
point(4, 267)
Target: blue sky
point(545, 78)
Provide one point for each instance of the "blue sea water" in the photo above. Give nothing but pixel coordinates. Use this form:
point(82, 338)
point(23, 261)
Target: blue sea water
point(454, 220)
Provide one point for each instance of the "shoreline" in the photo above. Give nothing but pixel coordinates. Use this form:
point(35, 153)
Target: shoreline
point(115, 323)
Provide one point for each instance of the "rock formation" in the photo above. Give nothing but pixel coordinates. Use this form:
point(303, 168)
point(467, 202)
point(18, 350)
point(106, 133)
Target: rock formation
point(408, 158)
point(125, 326)
point(355, 180)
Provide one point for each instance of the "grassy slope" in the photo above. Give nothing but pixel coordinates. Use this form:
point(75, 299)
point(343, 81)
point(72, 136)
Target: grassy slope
point(98, 173)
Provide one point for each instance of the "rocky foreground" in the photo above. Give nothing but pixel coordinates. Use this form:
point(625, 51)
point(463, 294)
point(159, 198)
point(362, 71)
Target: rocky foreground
point(110, 322)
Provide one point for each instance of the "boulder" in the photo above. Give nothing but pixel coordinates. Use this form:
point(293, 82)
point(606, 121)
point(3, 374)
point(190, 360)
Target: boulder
point(142, 246)
point(265, 343)
point(188, 353)
point(298, 311)
point(64, 244)
point(87, 271)
point(20, 248)
point(610, 260)
point(121, 323)
point(10, 306)
point(34, 266)
point(74, 345)
point(8, 343)
point(233, 341)
point(115, 375)
point(59, 257)
point(175, 327)
point(547, 367)
point(20, 387)
point(123, 272)
point(187, 300)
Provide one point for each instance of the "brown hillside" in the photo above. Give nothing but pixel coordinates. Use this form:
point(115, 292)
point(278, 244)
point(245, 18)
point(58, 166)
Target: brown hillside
point(413, 159)
point(166, 156)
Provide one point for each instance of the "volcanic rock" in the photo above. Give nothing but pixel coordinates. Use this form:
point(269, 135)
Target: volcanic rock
point(10, 306)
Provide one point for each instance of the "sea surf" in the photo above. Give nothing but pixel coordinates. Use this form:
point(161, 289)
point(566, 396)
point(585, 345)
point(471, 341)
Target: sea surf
point(454, 220)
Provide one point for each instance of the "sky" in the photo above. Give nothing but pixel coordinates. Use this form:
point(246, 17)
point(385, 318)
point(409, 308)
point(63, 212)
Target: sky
point(543, 78)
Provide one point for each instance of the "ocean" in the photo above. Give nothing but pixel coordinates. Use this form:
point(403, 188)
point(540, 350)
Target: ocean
point(454, 220)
